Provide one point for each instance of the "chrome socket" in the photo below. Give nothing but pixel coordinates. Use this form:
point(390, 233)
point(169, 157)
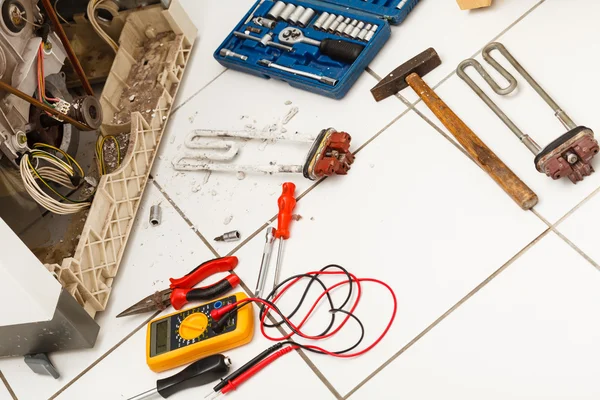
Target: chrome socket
point(276, 10)
point(370, 34)
point(318, 25)
point(357, 30)
point(340, 28)
point(155, 215)
point(305, 18)
point(293, 19)
point(335, 23)
point(328, 22)
point(287, 12)
point(233, 54)
point(350, 27)
point(266, 22)
point(361, 35)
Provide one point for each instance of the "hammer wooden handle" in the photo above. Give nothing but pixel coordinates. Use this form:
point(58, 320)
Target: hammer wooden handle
point(482, 154)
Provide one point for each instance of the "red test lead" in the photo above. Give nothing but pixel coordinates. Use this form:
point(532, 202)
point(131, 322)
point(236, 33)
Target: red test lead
point(324, 301)
point(233, 384)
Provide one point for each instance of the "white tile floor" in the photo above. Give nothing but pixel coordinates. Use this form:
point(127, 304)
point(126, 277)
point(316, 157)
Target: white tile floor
point(494, 302)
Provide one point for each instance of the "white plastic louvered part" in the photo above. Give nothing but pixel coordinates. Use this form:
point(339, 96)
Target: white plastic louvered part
point(89, 274)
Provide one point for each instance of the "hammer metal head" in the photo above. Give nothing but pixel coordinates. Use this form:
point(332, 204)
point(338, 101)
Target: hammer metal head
point(396, 81)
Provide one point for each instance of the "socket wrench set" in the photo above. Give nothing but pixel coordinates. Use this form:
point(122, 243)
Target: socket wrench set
point(319, 46)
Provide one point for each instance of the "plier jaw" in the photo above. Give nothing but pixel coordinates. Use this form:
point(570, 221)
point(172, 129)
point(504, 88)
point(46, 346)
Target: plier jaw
point(181, 289)
point(155, 301)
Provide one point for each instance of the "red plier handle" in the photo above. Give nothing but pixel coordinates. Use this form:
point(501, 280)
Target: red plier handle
point(182, 288)
point(203, 271)
point(180, 297)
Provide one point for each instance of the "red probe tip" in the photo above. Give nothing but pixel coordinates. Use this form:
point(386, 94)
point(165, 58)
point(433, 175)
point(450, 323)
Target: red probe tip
point(218, 313)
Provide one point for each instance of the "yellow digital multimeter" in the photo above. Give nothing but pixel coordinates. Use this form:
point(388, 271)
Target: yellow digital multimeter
point(186, 336)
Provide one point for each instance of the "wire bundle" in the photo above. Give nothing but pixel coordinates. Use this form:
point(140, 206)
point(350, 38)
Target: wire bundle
point(102, 170)
point(268, 305)
point(42, 79)
point(65, 172)
point(91, 13)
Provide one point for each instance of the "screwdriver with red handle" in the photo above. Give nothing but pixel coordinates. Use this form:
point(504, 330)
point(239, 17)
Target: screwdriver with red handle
point(286, 203)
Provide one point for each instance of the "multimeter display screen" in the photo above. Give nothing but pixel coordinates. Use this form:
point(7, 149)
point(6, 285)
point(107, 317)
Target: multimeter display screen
point(162, 337)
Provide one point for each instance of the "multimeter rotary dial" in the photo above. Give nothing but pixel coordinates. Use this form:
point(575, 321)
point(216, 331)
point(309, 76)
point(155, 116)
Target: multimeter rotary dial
point(193, 326)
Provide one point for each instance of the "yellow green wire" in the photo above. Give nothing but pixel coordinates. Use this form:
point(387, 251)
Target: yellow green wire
point(50, 187)
point(100, 152)
point(72, 162)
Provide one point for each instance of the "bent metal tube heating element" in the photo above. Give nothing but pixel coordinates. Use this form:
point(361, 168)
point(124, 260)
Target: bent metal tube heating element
point(329, 154)
point(570, 154)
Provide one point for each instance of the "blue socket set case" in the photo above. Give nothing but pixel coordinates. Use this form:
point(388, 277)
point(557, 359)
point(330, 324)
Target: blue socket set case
point(319, 46)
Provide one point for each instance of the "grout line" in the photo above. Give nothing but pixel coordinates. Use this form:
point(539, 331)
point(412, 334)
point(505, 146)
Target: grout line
point(577, 249)
point(393, 121)
point(10, 391)
point(249, 238)
point(544, 220)
point(577, 207)
point(319, 374)
point(103, 356)
point(554, 229)
point(174, 110)
point(450, 310)
point(185, 218)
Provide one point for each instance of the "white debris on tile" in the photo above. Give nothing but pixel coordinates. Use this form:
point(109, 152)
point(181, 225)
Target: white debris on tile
point(227, 220)
point(193, 117)
point(291, 114)
point(287, 102)
point(207, 177)
point(240, 176)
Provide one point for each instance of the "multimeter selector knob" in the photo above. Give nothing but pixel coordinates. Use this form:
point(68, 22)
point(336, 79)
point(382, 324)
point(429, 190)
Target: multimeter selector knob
point(193, 326)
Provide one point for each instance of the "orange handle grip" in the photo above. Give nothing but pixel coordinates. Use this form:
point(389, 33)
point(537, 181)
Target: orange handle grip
point(286, 203)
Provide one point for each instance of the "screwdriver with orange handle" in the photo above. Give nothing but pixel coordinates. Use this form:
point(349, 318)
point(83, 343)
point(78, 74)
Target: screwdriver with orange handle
point(286, 203)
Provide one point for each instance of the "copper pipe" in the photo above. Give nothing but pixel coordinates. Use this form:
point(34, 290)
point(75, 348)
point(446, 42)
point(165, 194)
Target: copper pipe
point(65, 41)
point(39, 104)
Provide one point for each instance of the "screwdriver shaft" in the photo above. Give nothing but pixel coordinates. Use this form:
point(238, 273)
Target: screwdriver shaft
point(145, 395)
point(266, 260)
point(279, 261)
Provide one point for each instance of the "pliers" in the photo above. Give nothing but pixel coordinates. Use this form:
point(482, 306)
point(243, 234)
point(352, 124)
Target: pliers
point(181, 290)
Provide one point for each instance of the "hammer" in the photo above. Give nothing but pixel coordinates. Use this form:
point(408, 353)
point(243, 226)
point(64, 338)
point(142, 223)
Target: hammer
point(409, 74)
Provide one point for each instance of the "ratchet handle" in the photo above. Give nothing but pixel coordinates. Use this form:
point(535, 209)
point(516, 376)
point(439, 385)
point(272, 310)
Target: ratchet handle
point(341, 50)
point(286, 203)
point(180, 297)
point(203, 271)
